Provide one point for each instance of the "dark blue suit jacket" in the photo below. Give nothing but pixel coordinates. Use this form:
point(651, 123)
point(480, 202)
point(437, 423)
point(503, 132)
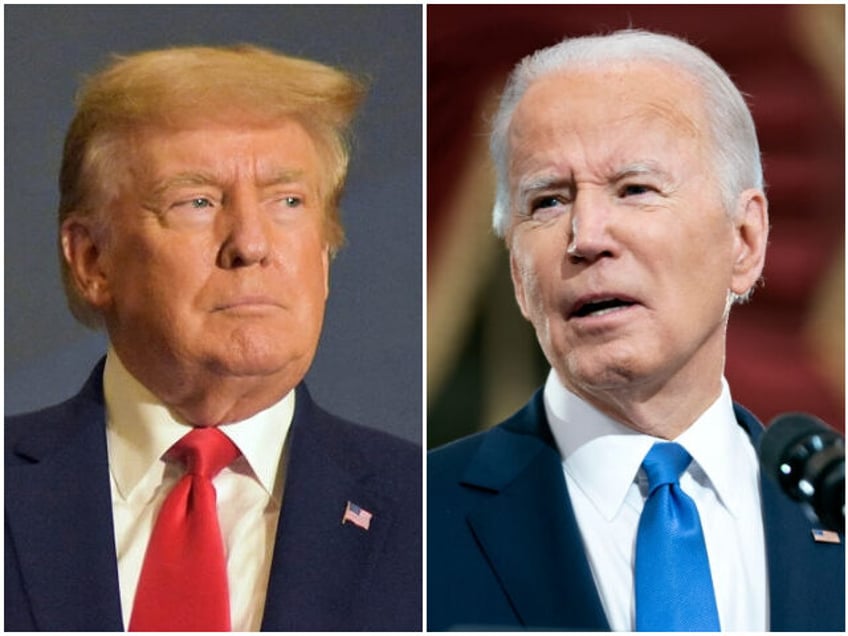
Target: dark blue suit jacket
point(61, 571)
point(504, 550)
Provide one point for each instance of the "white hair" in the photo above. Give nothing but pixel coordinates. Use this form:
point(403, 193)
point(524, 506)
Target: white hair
point(734, 137)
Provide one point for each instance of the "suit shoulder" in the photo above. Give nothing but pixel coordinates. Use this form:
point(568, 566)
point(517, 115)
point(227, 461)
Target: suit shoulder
point(445, 461)
point(45, 429)
point(376, 443)
point(23, 423)
point(41, 430)
point(520, 435)
point(371, 453)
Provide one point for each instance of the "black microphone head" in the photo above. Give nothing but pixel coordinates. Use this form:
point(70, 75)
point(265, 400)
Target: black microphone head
point(783, 433)
point(807, 458)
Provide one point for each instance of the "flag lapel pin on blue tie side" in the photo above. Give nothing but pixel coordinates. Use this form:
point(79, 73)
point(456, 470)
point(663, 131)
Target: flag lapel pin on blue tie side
point(825, 536)
point(357, 516)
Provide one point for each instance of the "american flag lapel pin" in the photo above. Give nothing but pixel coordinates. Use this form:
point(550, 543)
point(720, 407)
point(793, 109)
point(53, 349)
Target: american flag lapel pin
point(357, 516)
point(826, 536)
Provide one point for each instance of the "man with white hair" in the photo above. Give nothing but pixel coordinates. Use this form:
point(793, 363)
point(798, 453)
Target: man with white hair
point(626, 494)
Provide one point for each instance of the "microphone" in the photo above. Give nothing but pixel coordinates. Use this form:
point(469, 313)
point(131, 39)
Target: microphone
point(807, 458)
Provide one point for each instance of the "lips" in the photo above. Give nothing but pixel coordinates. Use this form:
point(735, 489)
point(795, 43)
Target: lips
point(599, 304)
point(247, 302)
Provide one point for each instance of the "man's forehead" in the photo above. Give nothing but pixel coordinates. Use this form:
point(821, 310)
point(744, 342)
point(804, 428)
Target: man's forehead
point(613, 115)
point(613, 91)
point(210, 151)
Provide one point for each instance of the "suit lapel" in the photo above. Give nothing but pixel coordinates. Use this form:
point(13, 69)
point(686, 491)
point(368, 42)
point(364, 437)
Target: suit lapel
point(527, 529)
point(60, 524)
point(320, 563)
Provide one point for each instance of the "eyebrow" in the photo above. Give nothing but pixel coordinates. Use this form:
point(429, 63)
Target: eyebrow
point(528, 186)
point(161, 186)
point(280, 177)
point(641, 168)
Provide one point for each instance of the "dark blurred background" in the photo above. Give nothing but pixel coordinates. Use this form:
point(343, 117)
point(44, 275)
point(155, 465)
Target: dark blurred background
point(785, 348)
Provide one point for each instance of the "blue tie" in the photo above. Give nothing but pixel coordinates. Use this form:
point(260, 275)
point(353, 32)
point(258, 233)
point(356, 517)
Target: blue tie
point(674, 589)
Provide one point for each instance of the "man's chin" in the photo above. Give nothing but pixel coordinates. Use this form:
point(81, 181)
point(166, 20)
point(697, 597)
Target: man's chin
point(600, 375)
point(270, 366)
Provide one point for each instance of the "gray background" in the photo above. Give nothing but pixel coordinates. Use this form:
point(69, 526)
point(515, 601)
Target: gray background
point(369, 362)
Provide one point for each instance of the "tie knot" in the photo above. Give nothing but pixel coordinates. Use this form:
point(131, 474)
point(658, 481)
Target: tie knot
point(664, 464)
point(205, 451)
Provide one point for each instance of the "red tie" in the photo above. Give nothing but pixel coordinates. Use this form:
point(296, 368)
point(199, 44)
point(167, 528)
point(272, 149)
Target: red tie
point(183, 583)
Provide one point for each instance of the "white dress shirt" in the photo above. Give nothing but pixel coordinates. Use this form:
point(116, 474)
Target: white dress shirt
point(602, 463)
point(139, 430)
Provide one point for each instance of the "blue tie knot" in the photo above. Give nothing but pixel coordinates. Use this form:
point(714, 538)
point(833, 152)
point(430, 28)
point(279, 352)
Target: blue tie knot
point(664, 464)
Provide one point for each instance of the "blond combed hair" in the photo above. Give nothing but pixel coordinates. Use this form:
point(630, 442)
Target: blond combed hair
point(187, 86)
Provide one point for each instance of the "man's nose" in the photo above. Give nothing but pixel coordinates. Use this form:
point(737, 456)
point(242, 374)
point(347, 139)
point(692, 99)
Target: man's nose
point(246, 234)
point(590, 236)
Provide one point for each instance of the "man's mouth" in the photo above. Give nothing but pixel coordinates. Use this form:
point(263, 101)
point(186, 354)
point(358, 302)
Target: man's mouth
point(247, 303)
point(599, 306)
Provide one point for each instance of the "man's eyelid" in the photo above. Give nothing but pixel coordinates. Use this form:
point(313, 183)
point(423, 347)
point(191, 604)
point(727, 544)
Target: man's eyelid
point(188, 192)
point(212, 201)
point(535, 188)
point(647, 177)
point(559, 197)
point(292, 187)
point(299, 196)
point(640, 184)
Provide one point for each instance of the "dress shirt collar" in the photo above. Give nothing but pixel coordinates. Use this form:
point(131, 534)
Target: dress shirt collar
point(603, 456)
point(140, 429)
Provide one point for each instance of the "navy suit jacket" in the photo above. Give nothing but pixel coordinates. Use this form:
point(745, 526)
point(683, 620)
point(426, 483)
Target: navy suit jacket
point(60, 563)
point(504, 550)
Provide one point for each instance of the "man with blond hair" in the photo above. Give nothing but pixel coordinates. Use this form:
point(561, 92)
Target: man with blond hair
point(626, 495)
point(193, 484)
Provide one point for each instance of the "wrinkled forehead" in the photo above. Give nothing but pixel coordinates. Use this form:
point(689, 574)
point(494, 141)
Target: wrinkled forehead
point(219, 149)
point(600, 101)
point(238, 137)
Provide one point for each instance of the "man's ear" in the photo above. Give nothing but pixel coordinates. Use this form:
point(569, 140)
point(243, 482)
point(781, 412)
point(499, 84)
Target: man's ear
point(82, 248)
point(751, 228)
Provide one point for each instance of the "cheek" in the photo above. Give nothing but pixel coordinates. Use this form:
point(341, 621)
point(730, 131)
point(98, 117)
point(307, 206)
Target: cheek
point(691, 243)
point(167, 274)
point(304, 266)
point(694, 280)
point(710, 257)
point(537, 284)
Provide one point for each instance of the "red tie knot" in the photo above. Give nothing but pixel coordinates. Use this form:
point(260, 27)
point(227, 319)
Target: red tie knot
point(205, 451)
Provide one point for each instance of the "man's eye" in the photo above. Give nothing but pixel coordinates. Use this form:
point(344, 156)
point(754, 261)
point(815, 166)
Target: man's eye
point(545, 202)
point(293, 202)
point(635, 189)
point(547, 207)
point(196, 203)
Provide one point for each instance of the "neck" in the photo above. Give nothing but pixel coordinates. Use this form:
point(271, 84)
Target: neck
point(658, 413)
point(225, 402)
point(202, 397)
point(662, 407)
